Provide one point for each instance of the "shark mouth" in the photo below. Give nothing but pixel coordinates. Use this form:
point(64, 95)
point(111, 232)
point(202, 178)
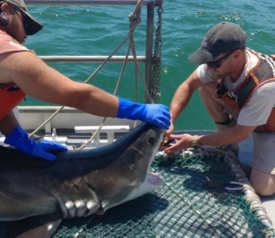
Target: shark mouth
point(154, 179)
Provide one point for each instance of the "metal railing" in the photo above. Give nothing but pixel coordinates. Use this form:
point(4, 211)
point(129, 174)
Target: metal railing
point(92, 2)
point(147, 58)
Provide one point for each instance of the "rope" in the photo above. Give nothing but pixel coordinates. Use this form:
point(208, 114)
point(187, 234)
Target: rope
point(135, 20)
point(250, 195)
point(233, 163)
point(213, 227)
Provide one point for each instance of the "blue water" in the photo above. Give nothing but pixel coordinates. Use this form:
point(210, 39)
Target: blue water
point(98, 30)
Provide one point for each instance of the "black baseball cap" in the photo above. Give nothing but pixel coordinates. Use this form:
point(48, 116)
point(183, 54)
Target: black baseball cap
point(222, 38)
point(33, 25)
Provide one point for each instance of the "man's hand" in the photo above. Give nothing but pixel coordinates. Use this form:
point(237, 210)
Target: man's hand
point(156, 114)
point(168, 133)
point(20, 139)
point(183, 141)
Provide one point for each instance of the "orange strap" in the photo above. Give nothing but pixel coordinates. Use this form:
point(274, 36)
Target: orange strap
point(9, 98)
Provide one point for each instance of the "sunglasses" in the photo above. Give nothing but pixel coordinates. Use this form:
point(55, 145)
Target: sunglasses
point(218, 63)
point(25, 20)
point(24, 16)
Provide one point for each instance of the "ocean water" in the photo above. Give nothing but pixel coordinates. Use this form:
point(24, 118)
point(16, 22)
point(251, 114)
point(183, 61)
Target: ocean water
point(98, 30)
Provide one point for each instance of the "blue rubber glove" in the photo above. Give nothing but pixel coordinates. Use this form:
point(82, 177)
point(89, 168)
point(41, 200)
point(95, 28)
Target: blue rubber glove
point(156, 114)
point(20, 139)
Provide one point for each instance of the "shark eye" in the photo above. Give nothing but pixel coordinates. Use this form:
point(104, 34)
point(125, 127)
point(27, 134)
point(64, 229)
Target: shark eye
point(151, 140)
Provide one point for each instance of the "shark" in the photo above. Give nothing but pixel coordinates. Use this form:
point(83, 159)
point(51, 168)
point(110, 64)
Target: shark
point(36, 194)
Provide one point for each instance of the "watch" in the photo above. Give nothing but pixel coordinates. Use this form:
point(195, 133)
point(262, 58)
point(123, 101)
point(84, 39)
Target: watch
point(195, 142)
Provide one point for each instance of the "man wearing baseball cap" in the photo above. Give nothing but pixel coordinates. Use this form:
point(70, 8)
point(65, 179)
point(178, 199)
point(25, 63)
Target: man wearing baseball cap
point(22, 72)
point(32, 26)
point(237, 86)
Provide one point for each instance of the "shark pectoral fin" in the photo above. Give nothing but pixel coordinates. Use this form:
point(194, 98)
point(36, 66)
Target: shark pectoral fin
point(35, 227)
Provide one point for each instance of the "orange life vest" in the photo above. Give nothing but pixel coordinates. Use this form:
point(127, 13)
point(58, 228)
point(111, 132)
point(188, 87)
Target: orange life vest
point(237, 98)
point(10, 97)
point(10, 94)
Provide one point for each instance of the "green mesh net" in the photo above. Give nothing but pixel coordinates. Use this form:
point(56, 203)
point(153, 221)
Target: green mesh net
point(182, 207)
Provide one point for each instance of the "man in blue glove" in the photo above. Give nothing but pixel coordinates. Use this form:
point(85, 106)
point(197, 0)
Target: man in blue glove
point(22, 72)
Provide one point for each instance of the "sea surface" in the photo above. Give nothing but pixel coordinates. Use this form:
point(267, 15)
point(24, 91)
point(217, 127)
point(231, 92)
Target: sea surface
point(98, 30)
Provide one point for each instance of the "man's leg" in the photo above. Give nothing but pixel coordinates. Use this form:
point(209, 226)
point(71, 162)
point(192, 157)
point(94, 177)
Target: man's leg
point(262, 177)
point(263, 183)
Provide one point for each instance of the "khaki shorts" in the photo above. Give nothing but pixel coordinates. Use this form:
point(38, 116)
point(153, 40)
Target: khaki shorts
point(264, 152)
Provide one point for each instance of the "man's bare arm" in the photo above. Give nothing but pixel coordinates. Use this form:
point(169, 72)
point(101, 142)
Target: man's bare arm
point(183, 95)
point(229, 136)
point(42, 82)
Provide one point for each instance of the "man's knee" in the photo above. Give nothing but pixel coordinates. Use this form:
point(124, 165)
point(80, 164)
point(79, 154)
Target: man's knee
point(262, 183)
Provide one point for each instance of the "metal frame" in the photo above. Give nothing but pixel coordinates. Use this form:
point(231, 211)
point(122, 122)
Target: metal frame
point(147, 59)
point(89, 59)
point(92, 2)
